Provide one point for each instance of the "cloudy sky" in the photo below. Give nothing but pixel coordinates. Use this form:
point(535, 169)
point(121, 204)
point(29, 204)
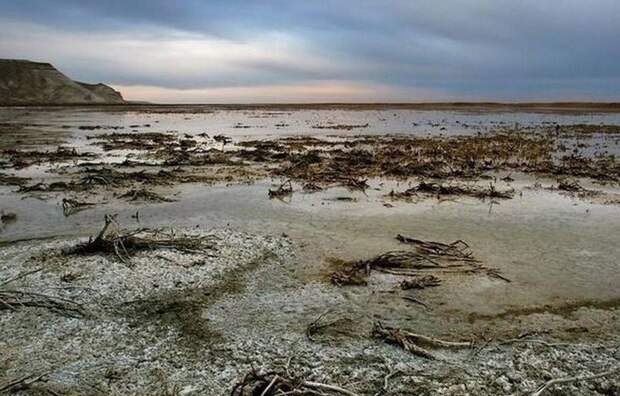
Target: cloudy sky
point(312, 51)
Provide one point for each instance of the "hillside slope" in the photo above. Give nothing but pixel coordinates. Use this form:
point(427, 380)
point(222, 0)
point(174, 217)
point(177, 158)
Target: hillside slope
point(24, 82)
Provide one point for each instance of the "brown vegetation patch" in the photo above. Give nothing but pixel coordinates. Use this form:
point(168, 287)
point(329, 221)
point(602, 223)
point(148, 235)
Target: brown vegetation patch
point(426, 258)
point(17, 159)
point(144, 195)
point(133, 141)
point(439, 190)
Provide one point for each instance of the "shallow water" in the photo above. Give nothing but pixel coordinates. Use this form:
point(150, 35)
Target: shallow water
point(264, 123)
point(555, 249)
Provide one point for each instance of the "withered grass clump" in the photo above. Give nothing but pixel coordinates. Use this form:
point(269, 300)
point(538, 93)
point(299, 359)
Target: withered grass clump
point(133, 141)
point(455, 251)
point(439, 190)
point(348, 273)
point(123, 244)
point(427, 257)
point(8, 180)
point(109, 178)
point(326, 325)
point(17, 159)
point(324, 162)
point(573, 188)
point(569, 185)
point(602, 168)
point(329, 162)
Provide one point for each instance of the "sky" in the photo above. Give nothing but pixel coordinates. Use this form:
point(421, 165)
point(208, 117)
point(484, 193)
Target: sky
point(234, 51)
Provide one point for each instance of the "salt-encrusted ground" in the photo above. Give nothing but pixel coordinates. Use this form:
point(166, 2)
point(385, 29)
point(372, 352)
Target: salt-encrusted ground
point(196, 323)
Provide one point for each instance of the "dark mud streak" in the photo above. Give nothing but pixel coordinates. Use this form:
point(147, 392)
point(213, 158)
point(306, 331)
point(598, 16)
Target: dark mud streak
point(184, 308)
point(565, 310)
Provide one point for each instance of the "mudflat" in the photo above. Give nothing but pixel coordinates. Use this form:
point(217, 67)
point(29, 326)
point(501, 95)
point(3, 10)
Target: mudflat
point(337, 249)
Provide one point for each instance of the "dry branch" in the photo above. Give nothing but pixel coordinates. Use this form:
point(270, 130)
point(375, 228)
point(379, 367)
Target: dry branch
point(22, 383)
point(412, 342)
point(16, 299)
point(556, 381)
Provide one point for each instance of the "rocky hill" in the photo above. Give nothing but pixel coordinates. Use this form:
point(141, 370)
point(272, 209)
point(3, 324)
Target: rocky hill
point(24, 82)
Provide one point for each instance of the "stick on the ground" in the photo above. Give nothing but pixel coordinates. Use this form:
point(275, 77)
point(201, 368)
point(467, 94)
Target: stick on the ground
point(20, 276)
point(22, 383)
point(386, 382)
point(333, 388)
point(565, 380)
point(14, 299)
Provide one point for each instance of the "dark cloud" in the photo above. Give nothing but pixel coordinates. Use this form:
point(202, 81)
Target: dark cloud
point(477, 48)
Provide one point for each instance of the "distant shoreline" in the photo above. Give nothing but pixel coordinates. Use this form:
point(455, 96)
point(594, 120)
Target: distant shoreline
point(551, 107)
point(466, 106)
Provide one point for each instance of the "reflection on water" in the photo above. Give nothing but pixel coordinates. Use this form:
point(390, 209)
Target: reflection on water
point(262, 123)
